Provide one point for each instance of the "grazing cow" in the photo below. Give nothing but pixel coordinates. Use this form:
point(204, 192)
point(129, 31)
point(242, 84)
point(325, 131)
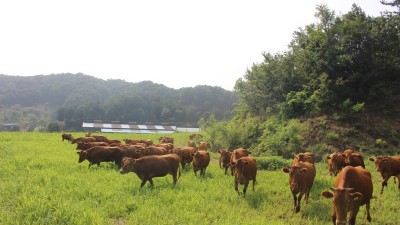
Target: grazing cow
point(151, 166)
point(167, 146)
point(204, 145)
point(388, 166)
point(99, 138)
point(166, 140)
point(301, 179)
point(195, 136)
point(184, 154)
point(66, 136)
point(237, 154)
point(192, 144)
point(86, 145)
point(355, 159)
point(335, 163)
point(304, 157)
point(98, 154)
point(224, 159)
point(352, 189)
point(201, 159)
point(245, 171)
point(130, 141)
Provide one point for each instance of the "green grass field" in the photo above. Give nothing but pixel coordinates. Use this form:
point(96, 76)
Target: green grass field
point(41, 182)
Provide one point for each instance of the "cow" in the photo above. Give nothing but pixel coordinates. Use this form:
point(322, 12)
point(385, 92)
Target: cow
point(167, 146)
point(301, 179)
point(195, 136)
point(98, 154)
point(153, 150)
point(335, 163)
point(148, 167)
point(130, 141)
point(166, 140)
point(99, 138)
point(204, 145)
point(354, 159)
point(86, 145)
point(237, 154)
point(224, 159)
point(192, 144)
point(201, 159)
point(66, 136)
point(245, 171)
point(352, 188)
point(83, 139)
point(184, 155)
point(388, 166)
point(304, 157)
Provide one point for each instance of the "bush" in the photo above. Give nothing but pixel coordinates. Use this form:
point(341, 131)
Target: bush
point(272, 163)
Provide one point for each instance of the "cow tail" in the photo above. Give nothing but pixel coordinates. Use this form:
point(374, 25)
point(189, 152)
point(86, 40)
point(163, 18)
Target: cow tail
point(179, 171)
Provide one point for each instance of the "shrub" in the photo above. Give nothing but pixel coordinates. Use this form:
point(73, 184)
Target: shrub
point(272, 163)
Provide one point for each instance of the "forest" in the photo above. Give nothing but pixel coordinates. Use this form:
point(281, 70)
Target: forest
point(37, 101)
point(337, 87)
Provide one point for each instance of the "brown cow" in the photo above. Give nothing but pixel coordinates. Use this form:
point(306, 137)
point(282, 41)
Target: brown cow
point(388, 166)
point(99, 138)
point(201, 159)
point(352, 189)
point(224, 159)
point(192, 144)
point(304, 157)
point(237, 154)
point(98, 154)
point(184, 154)
point(204, 145)
point(151, 166)
point(335, 163)
point(301, 179)
point(245, 170)
point(195, 136)
point(153, 150)
point(354, 159)
point(66, 136)
point(86, 145)
point(83, 139)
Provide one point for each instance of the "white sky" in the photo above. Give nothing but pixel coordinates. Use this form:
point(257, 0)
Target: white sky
point(178, 43)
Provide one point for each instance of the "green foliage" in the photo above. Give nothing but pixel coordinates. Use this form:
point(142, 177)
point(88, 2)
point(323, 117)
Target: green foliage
point(380, 143)
point(272, 163)
point(53, 127)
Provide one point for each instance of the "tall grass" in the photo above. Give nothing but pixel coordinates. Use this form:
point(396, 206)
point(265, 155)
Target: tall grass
point(41, 182)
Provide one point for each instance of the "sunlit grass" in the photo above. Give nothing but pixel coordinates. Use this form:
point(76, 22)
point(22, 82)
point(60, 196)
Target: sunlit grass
point(41, 182)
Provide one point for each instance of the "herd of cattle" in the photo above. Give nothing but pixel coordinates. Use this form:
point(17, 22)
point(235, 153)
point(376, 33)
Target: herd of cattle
point(352, 187)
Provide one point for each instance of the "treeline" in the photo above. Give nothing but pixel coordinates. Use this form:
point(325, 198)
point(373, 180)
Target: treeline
point(74, 98)
point(345, 68)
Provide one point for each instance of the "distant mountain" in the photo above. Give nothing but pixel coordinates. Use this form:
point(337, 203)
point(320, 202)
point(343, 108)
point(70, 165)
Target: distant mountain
point(74, 98)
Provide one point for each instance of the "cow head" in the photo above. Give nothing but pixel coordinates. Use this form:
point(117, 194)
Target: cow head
point(82, 156)
point(343, 201)
point(295, 176)
point(378, 162)
point(127, 165)
point(239, 166)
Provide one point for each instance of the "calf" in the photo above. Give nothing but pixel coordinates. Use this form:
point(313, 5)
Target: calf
point(66, 136)
point(236, 155)
point(204, 145)
point(224, 159)
point(98, 154)
point(245, 170)
point(352, 189)
point(151, 166)
point(201, 159)
point(335, 163)
point(388, 166)
point(192, 144)
point(301, 179)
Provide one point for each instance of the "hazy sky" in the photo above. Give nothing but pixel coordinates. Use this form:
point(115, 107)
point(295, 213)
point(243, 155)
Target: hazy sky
point(178, 43)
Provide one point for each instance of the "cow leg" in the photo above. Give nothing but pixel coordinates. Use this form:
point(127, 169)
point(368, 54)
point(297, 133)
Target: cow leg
point(367, 206)
point(236, 185)
point(353, 215)
point(384, 183)
point(245, 187)
point(143, 182)
point(151, 182)
point(254, 182)
point(298, 202)
point(175, 176)
point(294, 201)
point(398, 177)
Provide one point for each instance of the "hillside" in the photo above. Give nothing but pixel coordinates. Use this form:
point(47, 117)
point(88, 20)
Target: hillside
point(73, 98)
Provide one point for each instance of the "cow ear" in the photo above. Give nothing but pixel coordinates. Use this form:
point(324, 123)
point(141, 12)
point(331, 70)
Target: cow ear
point(372, 159)
point(327, 194)
point(303, 170)
point(356, 196)
point(219, 151)
point(77, 153)
point(233, 163)
point(192, 154)
point(137, 151)
point(328, 157)
point(286, 170)
point(245, 162)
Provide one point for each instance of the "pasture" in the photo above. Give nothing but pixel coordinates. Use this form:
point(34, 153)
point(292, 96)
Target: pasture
point(41, 182)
